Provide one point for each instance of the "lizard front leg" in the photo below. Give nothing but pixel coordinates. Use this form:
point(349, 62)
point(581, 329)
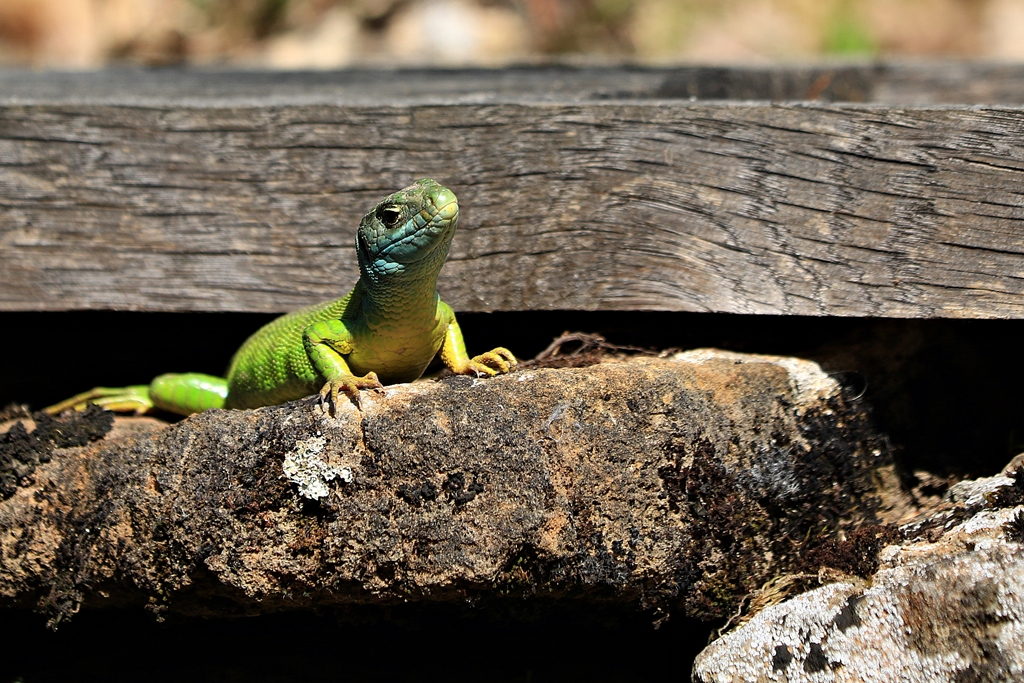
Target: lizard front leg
point(326, 344)
point(454, 355)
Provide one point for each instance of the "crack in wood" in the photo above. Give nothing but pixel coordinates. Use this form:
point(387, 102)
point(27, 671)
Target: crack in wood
point(722, 207)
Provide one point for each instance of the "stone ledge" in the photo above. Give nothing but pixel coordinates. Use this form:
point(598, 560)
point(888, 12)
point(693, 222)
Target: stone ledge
point(680, 484)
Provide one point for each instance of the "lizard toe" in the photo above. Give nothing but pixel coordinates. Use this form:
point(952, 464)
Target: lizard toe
point(479, 369)
point(498, 361)
point(330, 394)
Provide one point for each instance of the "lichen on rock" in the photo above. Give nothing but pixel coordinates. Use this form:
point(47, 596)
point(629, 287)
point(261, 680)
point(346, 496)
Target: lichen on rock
point(304, 467)
point(946, 606)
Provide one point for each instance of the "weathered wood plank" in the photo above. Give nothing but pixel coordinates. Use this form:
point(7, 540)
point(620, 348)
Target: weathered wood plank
point(801, 209)
point(916, 83)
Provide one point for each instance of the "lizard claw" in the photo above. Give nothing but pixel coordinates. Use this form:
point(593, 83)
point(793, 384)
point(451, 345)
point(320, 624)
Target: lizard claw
point(350, 385)
point(499, 361)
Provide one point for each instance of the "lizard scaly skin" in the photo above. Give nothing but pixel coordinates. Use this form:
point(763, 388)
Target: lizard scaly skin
point(386, 330)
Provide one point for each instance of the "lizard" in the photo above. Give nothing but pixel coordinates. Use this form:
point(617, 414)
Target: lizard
point(385, 331)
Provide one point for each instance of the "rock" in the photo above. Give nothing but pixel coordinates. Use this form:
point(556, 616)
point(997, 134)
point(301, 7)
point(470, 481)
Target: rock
point(946, 605)
point(678, 484)
point(1015, 464)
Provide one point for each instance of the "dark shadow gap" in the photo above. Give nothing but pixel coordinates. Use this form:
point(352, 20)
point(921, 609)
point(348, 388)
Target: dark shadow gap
point(412, 643)
point(946, 391)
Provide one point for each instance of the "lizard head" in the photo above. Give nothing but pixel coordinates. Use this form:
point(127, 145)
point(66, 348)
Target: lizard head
point(409, 229)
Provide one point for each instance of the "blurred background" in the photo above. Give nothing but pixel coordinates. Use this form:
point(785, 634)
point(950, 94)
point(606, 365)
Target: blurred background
point(292, 34)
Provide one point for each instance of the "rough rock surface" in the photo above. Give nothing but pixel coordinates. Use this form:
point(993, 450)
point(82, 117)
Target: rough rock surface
point(946, 605)
point(679, 484)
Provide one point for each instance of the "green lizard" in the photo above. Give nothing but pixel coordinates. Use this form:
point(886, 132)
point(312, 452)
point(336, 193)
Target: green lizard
point(386, 330)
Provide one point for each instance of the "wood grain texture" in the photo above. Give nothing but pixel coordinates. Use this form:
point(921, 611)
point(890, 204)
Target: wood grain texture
point(600, 204)
point(916, 83)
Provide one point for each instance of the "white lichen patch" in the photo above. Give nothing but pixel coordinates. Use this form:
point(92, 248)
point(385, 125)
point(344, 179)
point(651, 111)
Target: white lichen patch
point(974, 493)
point(305, 467)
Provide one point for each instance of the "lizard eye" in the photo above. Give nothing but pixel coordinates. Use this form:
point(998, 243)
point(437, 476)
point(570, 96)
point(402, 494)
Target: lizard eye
point(389, 215)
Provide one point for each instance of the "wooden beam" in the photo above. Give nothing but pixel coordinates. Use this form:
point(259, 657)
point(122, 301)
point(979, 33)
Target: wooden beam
point(917, 83)
point(249, 202)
